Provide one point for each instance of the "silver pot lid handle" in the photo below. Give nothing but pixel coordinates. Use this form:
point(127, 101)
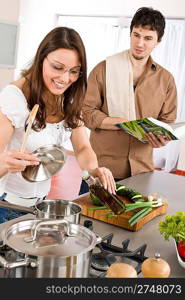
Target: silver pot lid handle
point(32, 238)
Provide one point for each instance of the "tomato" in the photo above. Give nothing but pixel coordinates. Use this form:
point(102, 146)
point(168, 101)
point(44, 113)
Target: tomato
point(181, 248)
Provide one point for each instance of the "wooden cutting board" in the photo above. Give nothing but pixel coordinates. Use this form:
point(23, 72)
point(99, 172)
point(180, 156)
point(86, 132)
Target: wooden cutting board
point(120, 220)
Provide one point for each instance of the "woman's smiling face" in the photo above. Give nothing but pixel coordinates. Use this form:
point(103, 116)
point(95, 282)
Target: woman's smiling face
point(60, 69)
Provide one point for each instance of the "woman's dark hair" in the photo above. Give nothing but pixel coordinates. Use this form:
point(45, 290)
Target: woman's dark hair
point(33, 88)
point(151, 18)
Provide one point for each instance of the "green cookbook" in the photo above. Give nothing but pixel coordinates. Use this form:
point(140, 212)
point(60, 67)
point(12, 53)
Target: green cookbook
point(138, 129)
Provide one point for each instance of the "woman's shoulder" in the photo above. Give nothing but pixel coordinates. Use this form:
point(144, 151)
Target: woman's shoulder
point(19, 83)
point(13, 104)
point(11, 89)
point(12, 95)
point(14, 88)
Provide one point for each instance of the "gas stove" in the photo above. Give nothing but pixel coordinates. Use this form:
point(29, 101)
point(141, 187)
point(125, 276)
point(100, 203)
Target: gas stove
point(103, 255)
point(109, 254)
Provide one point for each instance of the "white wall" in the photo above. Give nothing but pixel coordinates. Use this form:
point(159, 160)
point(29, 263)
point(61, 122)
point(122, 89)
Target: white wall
point(9, 11)
point(37, 17)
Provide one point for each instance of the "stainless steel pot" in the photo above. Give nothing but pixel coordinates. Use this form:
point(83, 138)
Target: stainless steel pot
point(53, 248)
point(50, 209)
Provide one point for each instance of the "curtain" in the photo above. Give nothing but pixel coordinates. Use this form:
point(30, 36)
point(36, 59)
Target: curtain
point(170, 54)
point(101, 36)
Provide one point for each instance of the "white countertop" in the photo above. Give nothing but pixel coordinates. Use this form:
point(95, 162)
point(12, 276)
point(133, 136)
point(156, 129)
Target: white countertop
point(167, 185)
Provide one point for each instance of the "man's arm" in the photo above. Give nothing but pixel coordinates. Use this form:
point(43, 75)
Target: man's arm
point(95, 111)
point(109, 123)
point(168, 113)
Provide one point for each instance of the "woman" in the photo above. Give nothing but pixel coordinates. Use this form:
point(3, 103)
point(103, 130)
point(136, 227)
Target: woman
point(56, 81)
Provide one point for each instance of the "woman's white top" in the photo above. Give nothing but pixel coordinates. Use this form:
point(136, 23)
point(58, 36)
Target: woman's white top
point(13, 105)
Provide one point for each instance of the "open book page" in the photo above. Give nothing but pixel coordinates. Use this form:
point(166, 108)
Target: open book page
point(138, 128)
point(179, 129)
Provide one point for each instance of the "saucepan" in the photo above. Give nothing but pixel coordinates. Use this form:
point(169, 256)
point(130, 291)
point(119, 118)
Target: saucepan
point(50, 209)
point(53, 248)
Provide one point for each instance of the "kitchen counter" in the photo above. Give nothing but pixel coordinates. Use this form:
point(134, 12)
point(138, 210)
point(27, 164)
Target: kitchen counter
point(167, 185)
point(170, 186)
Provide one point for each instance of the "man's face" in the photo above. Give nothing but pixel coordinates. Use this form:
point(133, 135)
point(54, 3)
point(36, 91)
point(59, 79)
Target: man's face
point(142, 42)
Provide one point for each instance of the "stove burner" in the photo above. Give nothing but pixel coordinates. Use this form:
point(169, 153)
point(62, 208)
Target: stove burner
point(109, 254)
point(100, 263)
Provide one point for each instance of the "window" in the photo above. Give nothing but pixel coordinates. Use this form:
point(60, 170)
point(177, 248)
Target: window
point(101, 35)
point(8, 42)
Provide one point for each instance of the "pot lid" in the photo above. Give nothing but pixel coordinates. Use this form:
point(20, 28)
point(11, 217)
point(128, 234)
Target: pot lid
point(52, 159)
point(49, 238)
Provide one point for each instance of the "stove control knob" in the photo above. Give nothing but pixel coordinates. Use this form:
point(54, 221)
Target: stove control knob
point(33, 264)
point(88, 224)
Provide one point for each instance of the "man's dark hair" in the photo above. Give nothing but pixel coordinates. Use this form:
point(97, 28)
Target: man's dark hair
point(150, 18)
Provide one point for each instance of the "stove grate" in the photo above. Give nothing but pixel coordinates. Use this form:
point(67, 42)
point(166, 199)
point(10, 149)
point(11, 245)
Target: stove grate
point(109, 254)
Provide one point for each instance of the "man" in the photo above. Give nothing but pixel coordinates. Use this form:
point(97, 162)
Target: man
point(128, 86)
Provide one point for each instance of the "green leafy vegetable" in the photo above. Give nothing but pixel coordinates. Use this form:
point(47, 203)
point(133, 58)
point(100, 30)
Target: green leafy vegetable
point(173, 226)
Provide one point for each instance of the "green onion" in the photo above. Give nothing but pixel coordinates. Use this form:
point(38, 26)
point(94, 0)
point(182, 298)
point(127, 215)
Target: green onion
point(139, 215)
point(139, 204)
point(97, 208)
point(136, 205)
point(145, 206)
point(109, 214)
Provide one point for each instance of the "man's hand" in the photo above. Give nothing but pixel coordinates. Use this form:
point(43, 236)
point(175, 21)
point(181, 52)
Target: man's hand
point(157, 141)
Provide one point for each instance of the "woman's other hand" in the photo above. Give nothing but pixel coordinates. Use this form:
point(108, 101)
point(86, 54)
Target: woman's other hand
point(16, 161)
point(106, 178)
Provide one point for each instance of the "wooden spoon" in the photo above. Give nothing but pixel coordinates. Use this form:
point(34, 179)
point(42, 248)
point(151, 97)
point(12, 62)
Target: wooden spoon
point(31, 119)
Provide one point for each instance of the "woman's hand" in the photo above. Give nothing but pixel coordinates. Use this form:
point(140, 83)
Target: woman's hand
point(106, 178)
point(16, 161)
point(157, 141)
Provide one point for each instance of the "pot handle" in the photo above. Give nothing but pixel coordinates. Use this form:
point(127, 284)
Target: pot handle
point(98, 239)
point(49, 222)
point(17, 207)
point(11, 265)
